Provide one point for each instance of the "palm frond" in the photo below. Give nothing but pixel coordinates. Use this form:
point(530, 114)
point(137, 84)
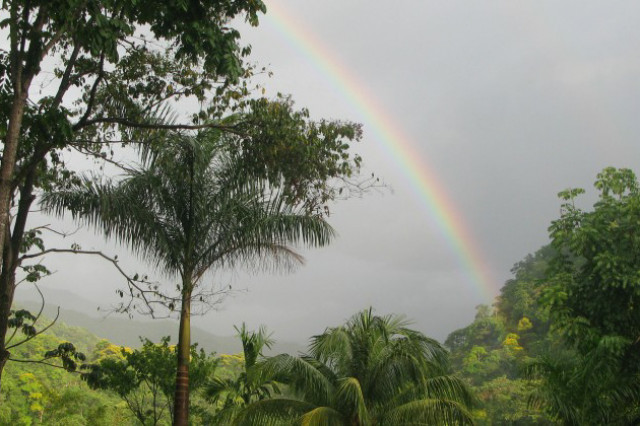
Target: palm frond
point(428, 412)
point(122, 212)
point(307, 381)
point(349, 396)
point(322, 416)
point(253, 343)
point(449, 387)
point(378, 371)
point(217, 387)
point(273, 412)
point(334, 348)
point(181, 209)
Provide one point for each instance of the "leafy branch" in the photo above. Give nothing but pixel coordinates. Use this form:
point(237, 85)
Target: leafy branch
point(18, 322)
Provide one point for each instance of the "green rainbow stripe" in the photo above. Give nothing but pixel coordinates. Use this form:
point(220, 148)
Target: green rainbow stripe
point(417, 172)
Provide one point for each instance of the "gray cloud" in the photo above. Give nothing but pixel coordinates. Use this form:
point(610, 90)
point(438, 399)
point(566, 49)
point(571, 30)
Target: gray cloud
point(508, 102)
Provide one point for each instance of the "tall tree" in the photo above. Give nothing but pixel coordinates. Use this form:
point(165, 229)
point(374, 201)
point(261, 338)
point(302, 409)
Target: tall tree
point(191, 207)
point(110, 63)
point(372, 370)
point(592, 296)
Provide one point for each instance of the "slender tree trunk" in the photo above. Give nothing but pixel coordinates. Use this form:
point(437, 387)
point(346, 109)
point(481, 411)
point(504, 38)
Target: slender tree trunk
point(181, 403)
point(11, 261)
point(24, 66)
point(11, 141)
point(9, 156)
point(7, 288)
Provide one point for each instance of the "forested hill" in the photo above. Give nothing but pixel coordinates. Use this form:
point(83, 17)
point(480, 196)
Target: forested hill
point(127, 332)
point(35, 393)
point(36, 390)
point(560, 345)
point(491, 352)
point(527, 365)
point(121, 330)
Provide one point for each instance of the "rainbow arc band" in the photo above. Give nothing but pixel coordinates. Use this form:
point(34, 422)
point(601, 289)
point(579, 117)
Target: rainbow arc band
point(395, 143)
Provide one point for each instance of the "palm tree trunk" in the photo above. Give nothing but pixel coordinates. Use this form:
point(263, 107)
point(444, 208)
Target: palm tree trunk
point(181, 402)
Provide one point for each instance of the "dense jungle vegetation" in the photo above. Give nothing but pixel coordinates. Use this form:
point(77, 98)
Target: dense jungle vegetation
point(558, 346)
point(243, 182)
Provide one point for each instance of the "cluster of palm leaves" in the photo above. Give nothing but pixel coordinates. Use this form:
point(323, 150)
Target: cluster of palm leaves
point(231, 395)
point(373, 370)
point(187, 209)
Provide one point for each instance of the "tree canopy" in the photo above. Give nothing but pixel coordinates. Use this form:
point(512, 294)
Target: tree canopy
point(372, 370)
point(115, 69)
point(112, 66)
point(191, 207)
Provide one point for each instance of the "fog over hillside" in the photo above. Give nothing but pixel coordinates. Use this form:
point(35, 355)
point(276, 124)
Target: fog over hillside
point(121, 330)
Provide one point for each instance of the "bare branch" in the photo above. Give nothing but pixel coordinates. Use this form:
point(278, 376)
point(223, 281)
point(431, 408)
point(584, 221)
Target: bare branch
point(92, 94)
point(41, 304)
point(101, 156)
point(157, 126)
point(54, 231)
point(66, 77)
point(135, 285)
point(15, 330)
point(41, 361)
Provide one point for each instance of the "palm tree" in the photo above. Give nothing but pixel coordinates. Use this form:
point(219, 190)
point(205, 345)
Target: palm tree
point(233, 394)
point(187, 209)
point(371, 371)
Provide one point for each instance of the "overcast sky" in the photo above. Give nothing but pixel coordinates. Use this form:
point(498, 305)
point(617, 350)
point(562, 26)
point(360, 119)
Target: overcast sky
point(505, 102)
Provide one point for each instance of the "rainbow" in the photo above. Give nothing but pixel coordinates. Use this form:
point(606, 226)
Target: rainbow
point(395, 143)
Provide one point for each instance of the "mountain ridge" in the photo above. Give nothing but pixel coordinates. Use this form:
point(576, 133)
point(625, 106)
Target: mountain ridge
point(128, 332)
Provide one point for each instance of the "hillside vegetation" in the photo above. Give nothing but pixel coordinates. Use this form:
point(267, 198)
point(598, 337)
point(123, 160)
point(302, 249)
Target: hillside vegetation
point(561, 343)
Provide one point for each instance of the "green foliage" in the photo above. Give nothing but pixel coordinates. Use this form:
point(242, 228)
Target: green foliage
point(125, 63)
point(67, 354)
point(115, 65)
point(34, 393)
point(570, 327)
point(17, 321)
point(145, 378)
point(199, 31)
point(310, 161)
point(250, 383)
point(184, 210)
point(506, 402)
point(491, 352)
point(481, 364)
point(190, 207)
point(486, 331)
point(585, 389)
point(372, 370)
point(592, 297)
point(520, 297)
point(598, 261)
point(62, 354)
